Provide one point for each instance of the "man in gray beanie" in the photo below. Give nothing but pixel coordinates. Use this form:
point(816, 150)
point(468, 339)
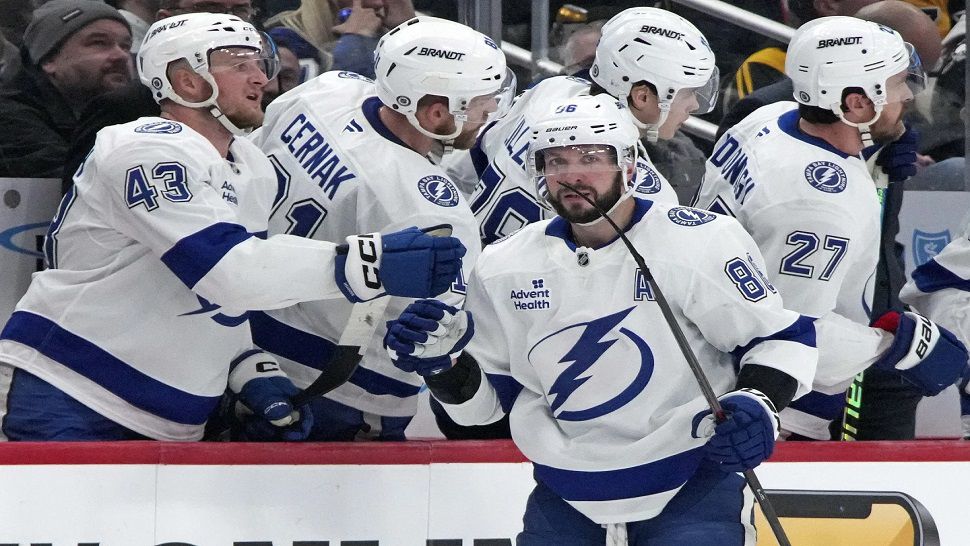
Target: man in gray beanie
point(73, 51)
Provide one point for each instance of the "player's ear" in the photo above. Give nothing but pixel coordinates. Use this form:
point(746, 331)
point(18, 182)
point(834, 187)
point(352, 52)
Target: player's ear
point(187, 83)
point(432, 112)
point(642, 97)
point(857, 104)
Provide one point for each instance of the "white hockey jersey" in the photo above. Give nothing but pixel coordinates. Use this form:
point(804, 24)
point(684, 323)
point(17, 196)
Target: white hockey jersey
point(343, 172)
point(576, 350)
point(504, 195)
point(154, 258)
point(940, 288)
point(815, 214)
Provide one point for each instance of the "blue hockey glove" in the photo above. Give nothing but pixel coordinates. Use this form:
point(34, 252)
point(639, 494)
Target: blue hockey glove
point(427, 336)
point(746, 438)
point(898, 158)
point(265, 391)
point(410, 263)
point(923, 353)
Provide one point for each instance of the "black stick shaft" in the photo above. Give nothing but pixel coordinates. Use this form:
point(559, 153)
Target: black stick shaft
point(753, 482)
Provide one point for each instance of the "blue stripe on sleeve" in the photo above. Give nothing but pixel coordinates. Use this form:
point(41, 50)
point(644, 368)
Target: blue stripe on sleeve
point(801, 331)
point(288, 342)
point(506, 387)
point(118, 377)
point(625, 483)
point(931, 276)
point(826, 406)
point(194, 256)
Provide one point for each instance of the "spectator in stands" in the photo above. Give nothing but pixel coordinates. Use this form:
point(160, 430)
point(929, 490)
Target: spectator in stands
point(346, 38)
point(140, 14)
point(312, 60)
point(9, 61)
point(289, 74)
point(134, 101)
point(74, 51)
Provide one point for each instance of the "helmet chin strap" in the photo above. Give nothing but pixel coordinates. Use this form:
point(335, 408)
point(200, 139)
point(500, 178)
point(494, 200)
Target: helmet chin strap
point(864, 132)
point(412, 118)
point(651, 130)
point(214, 109)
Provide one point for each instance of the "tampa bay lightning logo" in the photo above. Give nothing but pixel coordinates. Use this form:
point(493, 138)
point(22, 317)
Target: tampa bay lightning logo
point(604, 369)
point(825, 176)
point(439, 190)
point(686, 216)
point(926, 245)
point(160, 127)
point(648, 181)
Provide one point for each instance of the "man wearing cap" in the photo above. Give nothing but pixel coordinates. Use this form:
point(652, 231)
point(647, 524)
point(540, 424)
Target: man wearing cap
point(73, 51)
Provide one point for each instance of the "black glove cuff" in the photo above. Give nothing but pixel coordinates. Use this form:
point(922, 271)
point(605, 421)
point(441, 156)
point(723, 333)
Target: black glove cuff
point(458, 384)
point(775, 384)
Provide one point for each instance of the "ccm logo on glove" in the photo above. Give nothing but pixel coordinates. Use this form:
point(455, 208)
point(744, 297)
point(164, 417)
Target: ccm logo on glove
point(367, 248)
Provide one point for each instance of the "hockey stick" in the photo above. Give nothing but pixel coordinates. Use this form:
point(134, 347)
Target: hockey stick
point(363, 322)
point(753, 482)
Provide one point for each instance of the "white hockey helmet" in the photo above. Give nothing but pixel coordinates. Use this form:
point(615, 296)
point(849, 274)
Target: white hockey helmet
point(578, 123)
point(432, 56)
point(193, 37)
point(829, 54)
point(662, 48)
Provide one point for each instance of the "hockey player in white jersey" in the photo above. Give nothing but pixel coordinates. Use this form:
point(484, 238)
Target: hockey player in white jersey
point(353, 156)
point(561, 331)
point(159, 251)
point(796, 177)
point(940, 288)
point(651, 59)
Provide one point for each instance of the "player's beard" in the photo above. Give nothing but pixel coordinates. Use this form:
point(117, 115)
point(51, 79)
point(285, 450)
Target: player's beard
point(246, 119)
point(585, 214)
point(886, 129)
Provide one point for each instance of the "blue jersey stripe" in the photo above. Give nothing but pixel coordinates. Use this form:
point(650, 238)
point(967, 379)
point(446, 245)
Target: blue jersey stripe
point(625, 483)
point(931, 276)
point(288, 342)
point(194, 256)
point(825, 406)
point(89, 360)
point(379, 384)
point(507, 387)
point(801, 331)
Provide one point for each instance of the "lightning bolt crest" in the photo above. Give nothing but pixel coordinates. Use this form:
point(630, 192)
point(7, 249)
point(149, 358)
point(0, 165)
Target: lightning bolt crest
point(826, 175)
point(587, 350)
point(439, 190)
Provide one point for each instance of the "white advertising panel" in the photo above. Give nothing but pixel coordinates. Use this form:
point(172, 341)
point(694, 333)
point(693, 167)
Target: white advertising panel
point(26, 209)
